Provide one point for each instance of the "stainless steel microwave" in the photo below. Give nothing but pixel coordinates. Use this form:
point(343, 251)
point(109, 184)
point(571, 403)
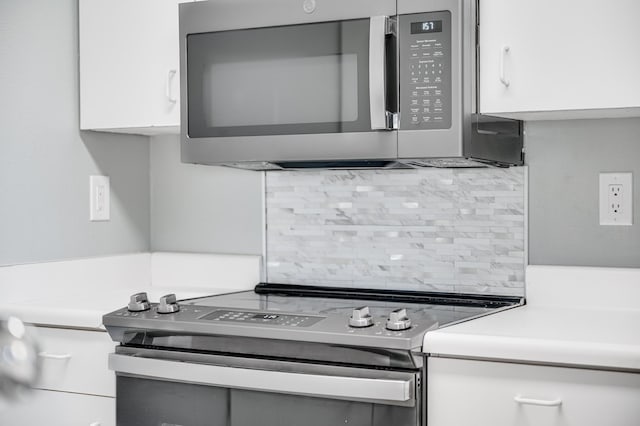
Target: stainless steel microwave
point(282, 84)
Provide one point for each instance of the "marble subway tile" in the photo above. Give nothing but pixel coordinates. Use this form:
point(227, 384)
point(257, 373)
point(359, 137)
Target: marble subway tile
point(453, 230)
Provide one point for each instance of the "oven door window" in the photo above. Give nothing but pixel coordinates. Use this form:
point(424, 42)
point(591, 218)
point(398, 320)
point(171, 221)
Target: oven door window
point(146, 402)
point(297, 79)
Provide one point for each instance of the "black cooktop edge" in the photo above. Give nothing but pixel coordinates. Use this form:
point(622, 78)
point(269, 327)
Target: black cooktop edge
point(405, 296)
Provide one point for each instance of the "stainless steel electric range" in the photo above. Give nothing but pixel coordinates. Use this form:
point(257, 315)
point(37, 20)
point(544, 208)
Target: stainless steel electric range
point(281, 355)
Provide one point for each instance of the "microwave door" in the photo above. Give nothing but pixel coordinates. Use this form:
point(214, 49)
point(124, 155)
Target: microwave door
point(305, 92)
point(295, 79)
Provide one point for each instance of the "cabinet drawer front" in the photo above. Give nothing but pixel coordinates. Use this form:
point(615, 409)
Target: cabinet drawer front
point(60, 409)
point(501, 394)
point(75, 361)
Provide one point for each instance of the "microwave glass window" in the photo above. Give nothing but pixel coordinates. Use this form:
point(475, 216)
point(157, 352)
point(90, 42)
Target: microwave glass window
point(298, 90)
point(295, 79)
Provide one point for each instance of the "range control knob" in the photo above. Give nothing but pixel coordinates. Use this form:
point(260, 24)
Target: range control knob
point(168, 304)
point(398, 320)
point(360, 317)
point(139, 302)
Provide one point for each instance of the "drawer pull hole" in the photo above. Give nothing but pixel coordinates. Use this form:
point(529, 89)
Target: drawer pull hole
point(54, 356)
point(540, 402)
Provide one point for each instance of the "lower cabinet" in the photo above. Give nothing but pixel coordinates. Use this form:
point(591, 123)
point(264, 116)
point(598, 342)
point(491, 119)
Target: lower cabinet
point(76, 387)
point(482, 393)
point(52, 408)
point(75, 361)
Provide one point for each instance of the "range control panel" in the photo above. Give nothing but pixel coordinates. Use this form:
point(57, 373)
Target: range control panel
point(262, 318)
point(425, 70)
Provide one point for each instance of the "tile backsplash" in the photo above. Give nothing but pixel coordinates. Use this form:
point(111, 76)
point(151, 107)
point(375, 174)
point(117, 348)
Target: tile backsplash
point(446, 230)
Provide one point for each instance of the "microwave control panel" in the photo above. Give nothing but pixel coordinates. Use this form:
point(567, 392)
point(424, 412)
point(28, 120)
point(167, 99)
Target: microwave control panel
point(425, 70)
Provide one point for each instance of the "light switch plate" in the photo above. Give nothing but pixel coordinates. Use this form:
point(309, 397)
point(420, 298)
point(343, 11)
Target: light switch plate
point(616, 199)
point(99, 198)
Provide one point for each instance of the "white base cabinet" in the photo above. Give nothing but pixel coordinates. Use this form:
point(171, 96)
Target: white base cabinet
point(546, 59)
point(52, 408)
point(76, 386)
point(76, 361)
point(483, 393)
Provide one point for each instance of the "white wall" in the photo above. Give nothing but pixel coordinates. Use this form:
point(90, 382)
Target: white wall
point(45, 161)
point(198, 208)
point(565, 159)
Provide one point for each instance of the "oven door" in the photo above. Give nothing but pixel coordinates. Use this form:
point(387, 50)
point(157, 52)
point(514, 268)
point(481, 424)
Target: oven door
point(167, 388)
point(286, 84)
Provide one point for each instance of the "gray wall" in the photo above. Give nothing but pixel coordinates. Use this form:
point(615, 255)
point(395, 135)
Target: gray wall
point(202, 208)
point(565, 158)
point(45, 161)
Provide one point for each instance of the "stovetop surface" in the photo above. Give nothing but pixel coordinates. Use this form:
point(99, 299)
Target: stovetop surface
point(309, 314)
point(336, 307)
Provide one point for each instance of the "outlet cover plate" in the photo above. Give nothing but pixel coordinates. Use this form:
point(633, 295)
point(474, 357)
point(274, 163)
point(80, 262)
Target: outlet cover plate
point(99, 199)
point(614, 210)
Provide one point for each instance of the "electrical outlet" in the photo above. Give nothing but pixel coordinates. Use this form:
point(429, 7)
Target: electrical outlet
point(99, 198)
point(616, 199)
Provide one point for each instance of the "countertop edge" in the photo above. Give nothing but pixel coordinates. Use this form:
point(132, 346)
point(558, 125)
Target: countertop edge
point(589, 355)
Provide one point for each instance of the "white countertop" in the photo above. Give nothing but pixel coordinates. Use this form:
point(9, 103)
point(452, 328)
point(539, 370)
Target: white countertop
point(78, 310)
point(77, 293)
point(567, 321)
point(587, 317)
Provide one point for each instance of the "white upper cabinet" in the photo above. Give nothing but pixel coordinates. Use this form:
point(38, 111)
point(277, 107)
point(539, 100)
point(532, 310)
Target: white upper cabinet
point(549, 59)
point(129, 66)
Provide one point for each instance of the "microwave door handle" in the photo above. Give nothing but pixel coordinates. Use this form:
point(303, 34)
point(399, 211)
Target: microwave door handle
point(377, 64)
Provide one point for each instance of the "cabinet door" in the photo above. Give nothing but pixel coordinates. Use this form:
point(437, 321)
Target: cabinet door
point(58, 409)
point(75, 361)
point(129, 65)
point(566, 56)
point(165, 62)
point(462, 392)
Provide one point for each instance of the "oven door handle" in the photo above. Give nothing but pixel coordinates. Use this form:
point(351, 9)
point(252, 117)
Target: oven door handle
point(383, 391)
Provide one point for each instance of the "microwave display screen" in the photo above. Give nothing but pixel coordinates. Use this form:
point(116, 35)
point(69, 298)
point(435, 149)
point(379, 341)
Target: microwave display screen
point(426, 27)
